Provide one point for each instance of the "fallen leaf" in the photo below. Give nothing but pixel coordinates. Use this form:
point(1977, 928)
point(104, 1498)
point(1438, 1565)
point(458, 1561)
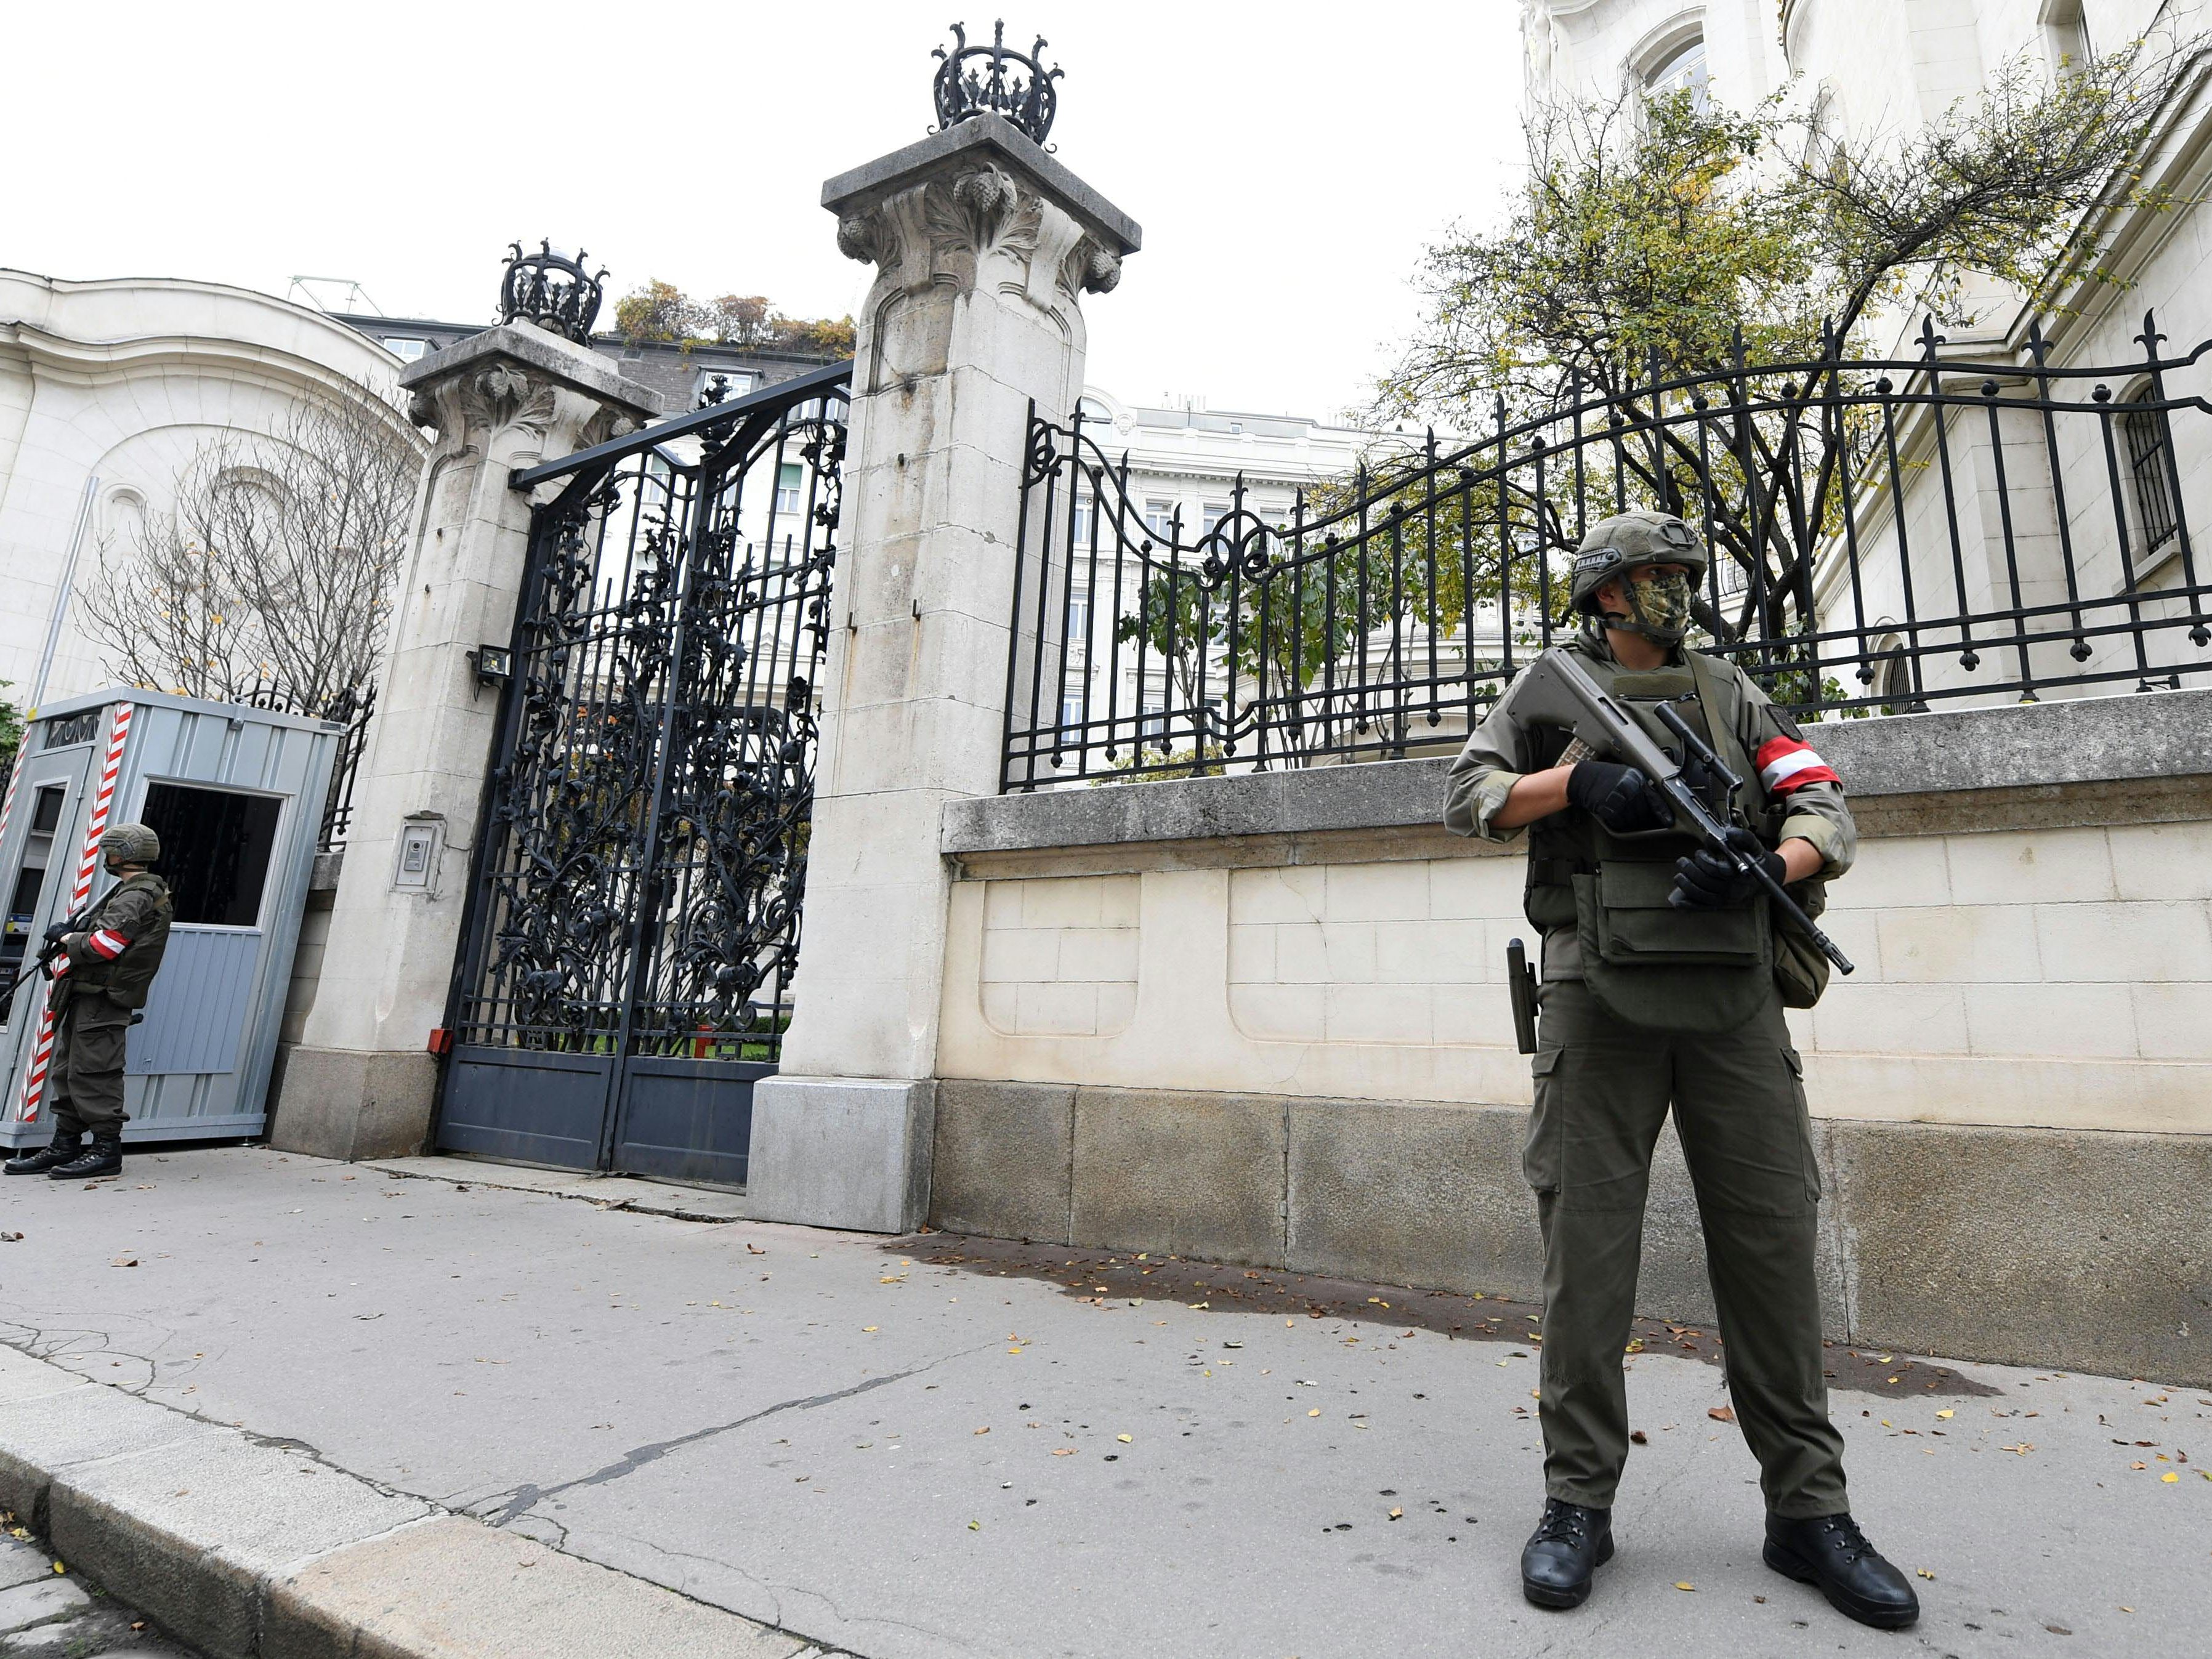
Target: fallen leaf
point(974, 1526)
point(986, 1429)
point(1123, 1438)
point(1064, 1451)
point(1945, 1415)
point(1721, 1413)
point(125, 1261)
point(1639, 1437)
point(1924, 1573)
point(871, 1327)
point(1316, 1412)
point(58, 1567)
point(1397, 1515)
point(11, 1239)
point(2132, 1465)
point(2169, 1477)
point(1684, 1584)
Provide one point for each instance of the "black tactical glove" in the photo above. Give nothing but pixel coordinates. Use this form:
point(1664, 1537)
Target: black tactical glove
point(56, 932)
point(1618, 797)
point(1706, 881)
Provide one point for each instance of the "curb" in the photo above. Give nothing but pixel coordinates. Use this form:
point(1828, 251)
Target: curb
point(251, 1549)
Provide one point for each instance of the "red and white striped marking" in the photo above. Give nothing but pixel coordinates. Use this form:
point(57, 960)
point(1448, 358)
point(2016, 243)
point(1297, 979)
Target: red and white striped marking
point(1785, 764)
point(42, 1052)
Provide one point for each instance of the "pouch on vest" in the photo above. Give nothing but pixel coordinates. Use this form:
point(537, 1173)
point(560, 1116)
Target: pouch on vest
point(1652, 963)
point(1800, 967)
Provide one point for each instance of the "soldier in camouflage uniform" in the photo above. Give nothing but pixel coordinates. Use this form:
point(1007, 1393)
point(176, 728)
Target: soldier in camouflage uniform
point(1660, 988)
point(100, 974)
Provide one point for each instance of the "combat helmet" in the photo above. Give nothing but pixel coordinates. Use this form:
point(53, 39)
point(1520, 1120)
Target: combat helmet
point(1617, 546)
point(129, 843)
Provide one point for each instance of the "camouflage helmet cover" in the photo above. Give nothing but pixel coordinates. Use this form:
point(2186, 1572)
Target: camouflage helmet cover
point(130, 843)
point(1617, 546)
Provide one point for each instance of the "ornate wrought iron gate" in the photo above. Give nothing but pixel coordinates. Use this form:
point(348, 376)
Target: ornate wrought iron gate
point(624, 975)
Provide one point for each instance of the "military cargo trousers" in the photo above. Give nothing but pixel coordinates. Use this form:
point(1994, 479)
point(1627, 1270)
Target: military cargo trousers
point(1603, 1088)
point(84, 1083)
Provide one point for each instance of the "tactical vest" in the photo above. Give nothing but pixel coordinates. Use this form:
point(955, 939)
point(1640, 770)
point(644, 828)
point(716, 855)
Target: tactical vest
point(125, 979)
point(1649, 962)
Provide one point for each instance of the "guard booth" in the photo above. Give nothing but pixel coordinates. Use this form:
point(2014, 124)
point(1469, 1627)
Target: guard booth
point(236, 794)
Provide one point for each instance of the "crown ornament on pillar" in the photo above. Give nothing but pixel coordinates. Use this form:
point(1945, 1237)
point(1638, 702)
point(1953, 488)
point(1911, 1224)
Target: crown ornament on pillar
point(551, 290)
point(973, 79)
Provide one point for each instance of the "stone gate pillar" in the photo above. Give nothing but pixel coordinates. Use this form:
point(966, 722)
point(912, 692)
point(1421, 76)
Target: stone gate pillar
point(362, 1081)
point(983, 245)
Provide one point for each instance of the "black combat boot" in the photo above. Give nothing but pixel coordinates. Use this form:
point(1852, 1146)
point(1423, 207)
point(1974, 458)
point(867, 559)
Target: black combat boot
point(67, 1144)
point(1570, 1544)
point(103, 1158)
point(1830, 1552)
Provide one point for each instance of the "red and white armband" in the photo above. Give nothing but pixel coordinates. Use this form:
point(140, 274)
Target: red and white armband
point(1786, 764)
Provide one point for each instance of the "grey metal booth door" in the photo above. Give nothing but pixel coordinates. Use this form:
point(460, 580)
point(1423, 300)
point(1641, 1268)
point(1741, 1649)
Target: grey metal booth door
point(625, 971)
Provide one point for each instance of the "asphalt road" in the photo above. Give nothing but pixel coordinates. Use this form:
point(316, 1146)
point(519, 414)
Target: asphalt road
point(935, 1447)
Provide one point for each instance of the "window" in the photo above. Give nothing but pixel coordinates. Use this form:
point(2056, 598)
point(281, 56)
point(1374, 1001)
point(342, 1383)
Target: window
point(1682, 70)
point(790, 484)
point(406, 347)
point(1078, 615)
point(1213, 516)
point(719, 384)
point(1070, 717)
point(216, 848)
point(1080, 516)
point(23, 904)
point(2150, 443)
point(2066, 34)
point(1159, 519)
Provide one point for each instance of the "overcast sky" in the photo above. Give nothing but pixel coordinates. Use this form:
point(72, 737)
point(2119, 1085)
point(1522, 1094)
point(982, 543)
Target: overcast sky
point(1287, 161)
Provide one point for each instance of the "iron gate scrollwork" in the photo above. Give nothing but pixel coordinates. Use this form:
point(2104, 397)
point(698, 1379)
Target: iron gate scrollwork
point(625, 974)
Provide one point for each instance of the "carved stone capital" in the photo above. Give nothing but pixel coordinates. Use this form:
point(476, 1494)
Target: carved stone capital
point(502, 408)
point(978, 225)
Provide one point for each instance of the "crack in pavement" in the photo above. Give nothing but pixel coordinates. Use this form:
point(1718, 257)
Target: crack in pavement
point(524, 1498)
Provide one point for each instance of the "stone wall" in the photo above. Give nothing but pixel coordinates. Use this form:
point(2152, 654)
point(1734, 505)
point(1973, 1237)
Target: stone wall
point(1263, 1017)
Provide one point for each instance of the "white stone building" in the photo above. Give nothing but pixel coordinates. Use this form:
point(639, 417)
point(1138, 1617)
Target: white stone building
point(107, 389)
point(1185, 463)
point(1889, 67)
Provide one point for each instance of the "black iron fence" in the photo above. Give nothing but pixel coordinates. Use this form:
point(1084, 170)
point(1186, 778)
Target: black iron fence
point(643, 858)
point(352, 708)
point(1887, 535)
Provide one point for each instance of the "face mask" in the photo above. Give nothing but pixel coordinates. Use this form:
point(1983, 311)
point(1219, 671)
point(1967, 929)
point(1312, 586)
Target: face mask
point(1659, 609)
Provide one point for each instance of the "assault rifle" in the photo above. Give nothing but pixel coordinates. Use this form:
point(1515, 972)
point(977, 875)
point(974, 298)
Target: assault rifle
point(1556, 690)
point(40, 963)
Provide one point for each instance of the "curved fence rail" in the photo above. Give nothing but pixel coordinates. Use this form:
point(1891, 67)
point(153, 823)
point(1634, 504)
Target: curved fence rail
point(1888, 534)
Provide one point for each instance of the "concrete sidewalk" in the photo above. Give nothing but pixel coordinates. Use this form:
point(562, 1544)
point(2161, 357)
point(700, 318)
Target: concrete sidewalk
point(933, 1447)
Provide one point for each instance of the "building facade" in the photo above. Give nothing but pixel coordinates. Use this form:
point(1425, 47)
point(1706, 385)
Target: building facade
point(107, 390)
point(2088, 508)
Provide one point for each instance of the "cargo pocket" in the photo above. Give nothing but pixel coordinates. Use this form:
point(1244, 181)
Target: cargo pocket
point(97, 1050)
point(1539, 1157)
point(1796, 1063)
